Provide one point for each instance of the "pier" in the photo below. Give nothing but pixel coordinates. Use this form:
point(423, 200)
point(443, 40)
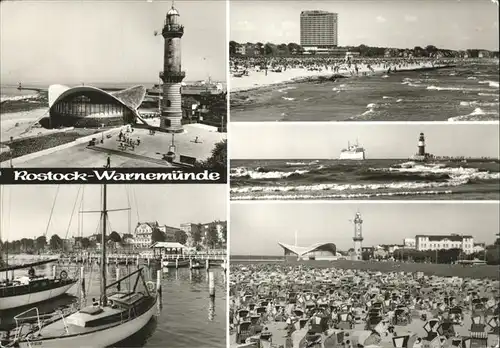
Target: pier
point(145, 258)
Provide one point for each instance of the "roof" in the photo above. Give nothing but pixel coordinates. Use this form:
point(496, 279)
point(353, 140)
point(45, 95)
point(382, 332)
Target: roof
point(304, 250)
point(131, 97)
point(168, 245)
point(453, 238)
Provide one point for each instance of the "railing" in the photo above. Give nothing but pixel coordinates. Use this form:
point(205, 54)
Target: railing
point(39, 319)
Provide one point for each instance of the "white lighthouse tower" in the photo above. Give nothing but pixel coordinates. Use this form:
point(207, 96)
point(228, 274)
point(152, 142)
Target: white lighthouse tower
point(358, 236)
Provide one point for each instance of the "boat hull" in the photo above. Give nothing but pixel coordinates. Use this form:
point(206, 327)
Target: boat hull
point(10, 302)
point(95, 339)
point(171, 264)
point(357, 156)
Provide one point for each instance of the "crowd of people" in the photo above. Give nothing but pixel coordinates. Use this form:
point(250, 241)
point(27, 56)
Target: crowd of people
point(301, 306)
point(126, 140)
point(352, 65)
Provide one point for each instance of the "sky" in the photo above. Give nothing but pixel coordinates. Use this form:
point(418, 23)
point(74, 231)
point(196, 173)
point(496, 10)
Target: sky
point(25, 210)
point(257, 227)
point(107, 41)
point(451, 24)
point(381, 140)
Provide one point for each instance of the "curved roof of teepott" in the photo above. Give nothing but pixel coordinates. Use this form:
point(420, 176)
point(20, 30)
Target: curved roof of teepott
point(304, 250)
point(131, 97)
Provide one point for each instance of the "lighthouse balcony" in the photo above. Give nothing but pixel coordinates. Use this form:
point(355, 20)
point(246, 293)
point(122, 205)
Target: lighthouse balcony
point(172, 30)
point(172, 76)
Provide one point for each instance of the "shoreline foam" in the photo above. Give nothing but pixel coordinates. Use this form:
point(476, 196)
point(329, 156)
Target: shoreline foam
point(258, 79)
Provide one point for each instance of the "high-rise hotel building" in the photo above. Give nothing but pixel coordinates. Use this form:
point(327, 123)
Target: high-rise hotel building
point(318, 29)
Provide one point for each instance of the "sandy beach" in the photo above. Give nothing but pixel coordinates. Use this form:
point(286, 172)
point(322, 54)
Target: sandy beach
point(17, 124)
point(258, 79)
point(276, 296)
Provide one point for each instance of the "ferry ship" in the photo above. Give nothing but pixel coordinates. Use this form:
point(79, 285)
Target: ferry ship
point(195, 88)
point(353, 152)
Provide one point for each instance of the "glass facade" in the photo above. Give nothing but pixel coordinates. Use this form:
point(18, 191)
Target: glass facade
point(90, 109)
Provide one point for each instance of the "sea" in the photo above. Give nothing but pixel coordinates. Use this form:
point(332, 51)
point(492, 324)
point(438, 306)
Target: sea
point(467, 92)
point(369, 179)
point(188, 317)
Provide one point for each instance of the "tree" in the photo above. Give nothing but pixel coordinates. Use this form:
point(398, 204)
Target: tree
point(270, 49)
point(294, 48)
point(197, 234)
point(283, 49)
point(232, 47)
point(115, 237)
point(180, 237)
point(212, 236)
point(56, 242)
point(40, 243)
point(218, 160)
point(85, 242)
point(224, 234)
point(157, 236)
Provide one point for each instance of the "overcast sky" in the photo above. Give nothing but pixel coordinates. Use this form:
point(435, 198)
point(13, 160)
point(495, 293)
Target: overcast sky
point(170, 205)
point(47, 42)
point(452, 24)
point(256, 228)
point(383, 140)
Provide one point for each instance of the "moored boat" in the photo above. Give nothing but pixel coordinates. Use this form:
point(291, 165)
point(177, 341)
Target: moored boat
point(115, 316)
point(31, 289)
point(174, 263)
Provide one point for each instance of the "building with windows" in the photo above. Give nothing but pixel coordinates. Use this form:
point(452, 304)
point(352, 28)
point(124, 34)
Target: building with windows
point(439, 242)
point(318, 30)
point(191, 229)
point(87, 106)
point(318, 251)
point(409, 243)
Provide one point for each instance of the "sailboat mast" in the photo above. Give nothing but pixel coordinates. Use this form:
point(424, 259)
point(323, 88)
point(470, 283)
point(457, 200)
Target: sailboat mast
point(104, 214)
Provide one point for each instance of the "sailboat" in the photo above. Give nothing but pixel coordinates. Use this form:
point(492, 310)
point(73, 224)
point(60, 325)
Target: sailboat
point(32, 288)
point(116, 316)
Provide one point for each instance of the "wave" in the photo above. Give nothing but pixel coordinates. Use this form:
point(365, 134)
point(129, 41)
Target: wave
point(488, 94)
point(291, 164)
point(260, 173)
point(404, 177)
point(5, 98)
point(476, 103)
point(472, 78)
point(289, 99)
point(477, 114)
point(342, 196)
point(286, 89)
point(490, 83)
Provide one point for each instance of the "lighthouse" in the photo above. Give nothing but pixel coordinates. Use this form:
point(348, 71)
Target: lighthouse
point(358, 236)
point(172, 75)
point(421, 145)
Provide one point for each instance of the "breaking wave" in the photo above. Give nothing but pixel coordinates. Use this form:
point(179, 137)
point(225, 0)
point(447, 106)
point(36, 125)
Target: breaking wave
point(340, 196)
point(490, 83)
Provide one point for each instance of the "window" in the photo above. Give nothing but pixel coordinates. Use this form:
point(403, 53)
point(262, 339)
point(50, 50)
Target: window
point(168, 103)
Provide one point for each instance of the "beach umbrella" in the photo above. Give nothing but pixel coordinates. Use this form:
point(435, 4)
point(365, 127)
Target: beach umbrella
point(401, 341)
point(431, 326)
point(493, 324)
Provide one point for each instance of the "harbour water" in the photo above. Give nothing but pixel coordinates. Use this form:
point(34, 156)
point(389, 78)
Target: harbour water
point(188, 318)
point(467, 92)
point(370, 179)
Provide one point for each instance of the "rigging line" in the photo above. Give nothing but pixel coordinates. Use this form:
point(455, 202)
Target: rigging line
point(52, 211)
point(136, 204)
point(73, 212)
point(83, 206)
point(127, 191)
point(2, 217)
point(9, 206)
